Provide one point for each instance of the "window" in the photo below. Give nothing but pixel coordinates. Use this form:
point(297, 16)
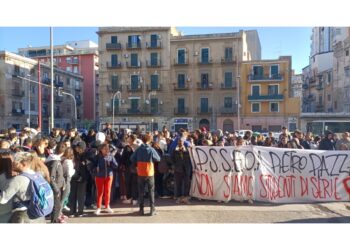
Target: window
point(274, 107)
point(181, 56)
point(69, 69)
point(181, 81)
point(75, 69)
point(272, 90)
point(134, 60)
point(114, 39)
point(68, 110)
point(347, 71)
point(114, 60)
point(68, 59)
point(274, 71)
point(116, 104)
point(228, 54)
point(256, 90)
point(68, 81)
point(347, 52)
point(154, 59)
point(205, 80)
point(154, 82)
point(154, 105)
point(258, 70)
point(228, 79)
point(134, 41)
point(228, 102)
point(329, 74)
point(320, 99)
point(134, 82)
point(154, 40)
point(181, 105)
point(255, 107)
point(32, 106)
point(114, 82)
point(256, 128)
point(205, 55)
point(204, 105)
point(134, 104)
point(335, 105)
point(329, 98)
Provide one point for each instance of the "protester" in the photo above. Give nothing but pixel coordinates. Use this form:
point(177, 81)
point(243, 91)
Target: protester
point(344, 140)
point(327, 143)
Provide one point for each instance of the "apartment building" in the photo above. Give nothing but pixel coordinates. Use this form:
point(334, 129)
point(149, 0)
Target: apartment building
point(266, 95)
point(78, 57)
point(159, 77)
point(19, 97)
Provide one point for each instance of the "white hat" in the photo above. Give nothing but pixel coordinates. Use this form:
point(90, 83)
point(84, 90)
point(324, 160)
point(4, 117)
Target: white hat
point(100, 136)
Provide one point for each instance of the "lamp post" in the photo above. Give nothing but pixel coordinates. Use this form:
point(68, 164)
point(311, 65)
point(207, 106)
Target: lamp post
point(148, 101)
point(119, 97)
point(75, 105)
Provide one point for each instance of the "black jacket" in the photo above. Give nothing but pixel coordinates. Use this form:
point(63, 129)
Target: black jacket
point(54, 165)
point(326, 144)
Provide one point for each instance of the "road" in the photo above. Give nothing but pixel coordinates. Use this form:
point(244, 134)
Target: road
point(232, 212)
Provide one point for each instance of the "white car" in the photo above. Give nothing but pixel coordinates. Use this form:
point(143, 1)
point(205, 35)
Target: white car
point(242, 132)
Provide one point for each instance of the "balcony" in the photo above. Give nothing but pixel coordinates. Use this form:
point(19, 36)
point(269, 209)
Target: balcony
point(132, 46)
point(319, 87)
point(113, 46)
point(181, 86)
point(111, 88)
point(157, 45)
point(227, 61)
point(58, 83)
point(156, 87)
point(205, 86)
point(134, 89)
point(133, 111)
point(204, 111)
point(319, 107)
point(114, 65)
point(275, 97)
point(274, 77)
point(228, 86)
point(17, 112)
point(180, 63)
point(228, 110)
point(153, 65)
point(74, 61)
point(181, 111)
point(137, 65)
point(46, 81)
point(206, 62)
point(18, 92)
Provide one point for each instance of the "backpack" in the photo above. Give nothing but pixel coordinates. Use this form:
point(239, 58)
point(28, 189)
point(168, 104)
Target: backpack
point(41, 203)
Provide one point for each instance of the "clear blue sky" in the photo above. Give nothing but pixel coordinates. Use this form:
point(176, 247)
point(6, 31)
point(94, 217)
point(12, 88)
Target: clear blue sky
point(274, 41)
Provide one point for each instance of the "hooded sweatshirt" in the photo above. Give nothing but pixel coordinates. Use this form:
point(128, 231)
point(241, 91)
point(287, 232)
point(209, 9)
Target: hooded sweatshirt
point(54, 165)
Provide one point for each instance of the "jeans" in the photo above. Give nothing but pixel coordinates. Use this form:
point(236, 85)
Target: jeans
point(182, 181)
point(149, 180)
point(56, 212)
point(132, 186)
point(77, 194)
point(65, 193)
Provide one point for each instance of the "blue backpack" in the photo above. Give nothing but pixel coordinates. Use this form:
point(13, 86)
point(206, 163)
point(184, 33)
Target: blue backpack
point(41, 203)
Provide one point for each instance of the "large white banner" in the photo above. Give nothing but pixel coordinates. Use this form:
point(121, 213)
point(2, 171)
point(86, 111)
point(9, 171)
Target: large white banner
point(270, 174)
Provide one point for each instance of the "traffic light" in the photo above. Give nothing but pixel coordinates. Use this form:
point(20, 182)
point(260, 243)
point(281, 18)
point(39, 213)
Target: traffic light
point(59, 91)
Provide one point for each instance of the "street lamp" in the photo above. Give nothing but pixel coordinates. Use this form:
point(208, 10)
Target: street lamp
point(119, 97)
point(60, 93)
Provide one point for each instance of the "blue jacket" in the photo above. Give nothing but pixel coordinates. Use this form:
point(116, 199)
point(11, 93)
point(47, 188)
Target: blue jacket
point(144, 156)
point(105, 165)
point(173, 145)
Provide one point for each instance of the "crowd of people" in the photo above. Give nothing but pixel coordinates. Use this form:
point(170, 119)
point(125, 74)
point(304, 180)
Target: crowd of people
point(88, 170)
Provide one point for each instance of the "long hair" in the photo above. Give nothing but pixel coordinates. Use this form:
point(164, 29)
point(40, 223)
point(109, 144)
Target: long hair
point(6, 161)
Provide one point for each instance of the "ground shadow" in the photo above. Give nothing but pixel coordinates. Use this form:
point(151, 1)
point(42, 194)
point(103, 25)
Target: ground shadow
point(341, 219)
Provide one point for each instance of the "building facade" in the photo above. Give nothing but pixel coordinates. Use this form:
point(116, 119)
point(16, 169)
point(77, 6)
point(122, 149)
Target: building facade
point(79, 57)
point(159, 77)
point(325, 89)
point(19, 97)
point(266, 96)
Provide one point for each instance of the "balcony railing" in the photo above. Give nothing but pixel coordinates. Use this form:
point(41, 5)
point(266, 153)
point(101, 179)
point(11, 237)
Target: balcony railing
point(133, 46)
point(319, 107)
point(181, 111)
point(274, 77)
point(206, 62)
point(151, 87)
point(180, 63)
point(181, 86)
point(137, 65)
point(205, 86)
point(154, 65)
point(319, 87)
point(138, 88)
point(58, 83)
point(133, 111)
point(46, 81)
point(113, 46)
point(227, 61)
point(114, 65)
point(204, 111)
point(74, 61)
point(18, 92)
point(17, 112)
point(228, 86)
point(275, 97)
point(111, 88)
point(58, 98)
point(228, 110)
point(158, 45)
